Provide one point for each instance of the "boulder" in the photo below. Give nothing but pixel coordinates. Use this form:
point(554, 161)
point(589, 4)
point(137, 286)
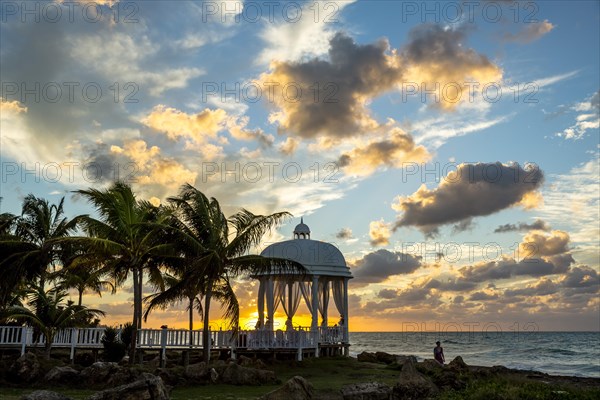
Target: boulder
point(44, 395)
point(196, 372)
point(149, 387)
point(245, 361)
point(458, 364)
point(237, 375)
point(366, 391)
point(400, 360)
point(365, 356)
point(430, 366)
point(169, 377)
point(62, 375)
point(25, 369)
point(385, 358)
point(122, 376)
point(449, 379)
point(412, 384)
point(297, 388)
point(99, 372)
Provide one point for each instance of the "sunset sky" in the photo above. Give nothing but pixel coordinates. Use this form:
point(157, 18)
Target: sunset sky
point(475, 200)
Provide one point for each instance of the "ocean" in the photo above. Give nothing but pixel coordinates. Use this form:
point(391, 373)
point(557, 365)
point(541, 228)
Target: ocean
point(556, 353)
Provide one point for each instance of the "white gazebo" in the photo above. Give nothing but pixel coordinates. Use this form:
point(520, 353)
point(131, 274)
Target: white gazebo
point(326, 272)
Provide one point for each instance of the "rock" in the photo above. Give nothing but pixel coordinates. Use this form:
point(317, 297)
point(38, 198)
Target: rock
point(260, 364)
point(412, 384)
point(197, 372)
point(44, 395)
point(26, 368)
point(449, 379)
point(400, 360)
point(245, 361)
point(149, 387)
point(99, 372)
point(168, 376)
point(367, 357)
point(297, 388)
point(385, 358)
point(214, 375)
point(122, 376)
point(430, 366)
point(458, 364)
point(366, 391)
point(237, 375)
point(62, 375)
point(499, 369)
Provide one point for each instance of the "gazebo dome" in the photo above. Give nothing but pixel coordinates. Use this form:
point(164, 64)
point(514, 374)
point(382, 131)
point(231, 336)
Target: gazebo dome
point(319, 258)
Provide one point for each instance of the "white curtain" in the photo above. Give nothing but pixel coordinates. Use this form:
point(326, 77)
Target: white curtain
point(338, 296)
point(306, 288)
point(323, 299)
point(290, 298)
point(261, 302)
point(270, 303)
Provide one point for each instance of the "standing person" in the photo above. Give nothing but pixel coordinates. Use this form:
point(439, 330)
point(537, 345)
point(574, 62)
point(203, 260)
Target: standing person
point(438, 353)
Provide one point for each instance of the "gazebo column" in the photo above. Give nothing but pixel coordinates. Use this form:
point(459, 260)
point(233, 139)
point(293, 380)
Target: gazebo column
point(314, 327)
point(346, 319)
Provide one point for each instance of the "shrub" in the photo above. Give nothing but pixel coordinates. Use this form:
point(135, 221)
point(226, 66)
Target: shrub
point(114, 348)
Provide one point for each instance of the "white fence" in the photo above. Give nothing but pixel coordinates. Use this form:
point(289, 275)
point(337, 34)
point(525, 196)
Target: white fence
point(91, 338)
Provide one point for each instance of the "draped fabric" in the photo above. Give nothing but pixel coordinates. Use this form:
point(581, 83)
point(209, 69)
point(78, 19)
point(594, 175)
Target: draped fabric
point(306, 288)
point(323, 299)
point(338, 296)
point(261, 302)
point(290, 298)
point(270, 303)
point(279, 293)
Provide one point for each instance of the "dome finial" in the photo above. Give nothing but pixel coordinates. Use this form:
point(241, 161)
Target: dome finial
point(302, 231)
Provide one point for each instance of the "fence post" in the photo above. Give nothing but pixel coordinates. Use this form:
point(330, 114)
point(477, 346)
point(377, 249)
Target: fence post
point(74, 339)
point(24, 332)
point(233, 340)
point(163, 346)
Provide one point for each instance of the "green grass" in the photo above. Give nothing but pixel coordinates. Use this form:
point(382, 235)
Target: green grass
point(502, 389)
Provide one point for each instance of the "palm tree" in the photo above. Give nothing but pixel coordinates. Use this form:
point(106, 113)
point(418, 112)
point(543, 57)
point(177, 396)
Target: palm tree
point(83, 277)
point(33, 246)
point(125, 239)
point(178, 289)
point(49, 314)
point(215, 255)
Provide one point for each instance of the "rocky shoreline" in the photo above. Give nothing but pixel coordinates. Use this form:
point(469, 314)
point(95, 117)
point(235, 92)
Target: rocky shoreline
point(117, 381)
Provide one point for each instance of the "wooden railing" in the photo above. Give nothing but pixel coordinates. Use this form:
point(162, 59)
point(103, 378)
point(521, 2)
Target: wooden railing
point(91, 338)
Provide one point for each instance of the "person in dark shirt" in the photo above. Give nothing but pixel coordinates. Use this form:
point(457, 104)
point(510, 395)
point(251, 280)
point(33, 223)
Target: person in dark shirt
point(438, 353)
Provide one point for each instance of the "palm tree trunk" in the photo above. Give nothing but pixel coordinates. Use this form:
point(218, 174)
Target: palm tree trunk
point(134, 327)
point(191, 320)
point(48, 344)
point(80, 297)
point(205, 332)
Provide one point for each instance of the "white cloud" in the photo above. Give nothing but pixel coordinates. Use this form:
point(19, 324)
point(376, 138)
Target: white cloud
point(576, 194)
point(307, 37)
point(588, 120)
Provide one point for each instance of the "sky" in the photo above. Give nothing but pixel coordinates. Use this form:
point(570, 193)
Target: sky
point(450, 150)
